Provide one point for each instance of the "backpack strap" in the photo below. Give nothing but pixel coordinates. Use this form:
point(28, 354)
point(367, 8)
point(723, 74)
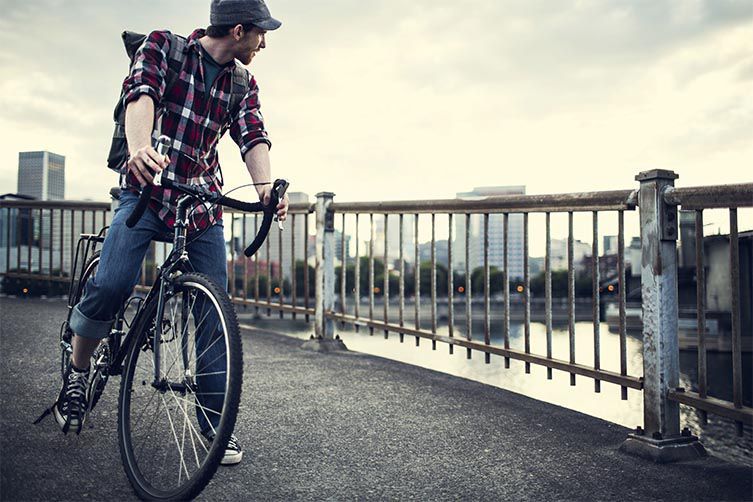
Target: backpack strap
point(238, 90)
point(175, 59)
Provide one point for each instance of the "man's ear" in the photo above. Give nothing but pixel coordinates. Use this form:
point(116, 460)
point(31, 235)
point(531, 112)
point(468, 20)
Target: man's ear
point(237, 32)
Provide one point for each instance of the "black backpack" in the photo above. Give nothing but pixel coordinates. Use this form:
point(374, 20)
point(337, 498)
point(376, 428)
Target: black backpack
point(132, 42)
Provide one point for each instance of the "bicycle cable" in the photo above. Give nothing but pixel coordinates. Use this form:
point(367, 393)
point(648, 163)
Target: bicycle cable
point(212, 206)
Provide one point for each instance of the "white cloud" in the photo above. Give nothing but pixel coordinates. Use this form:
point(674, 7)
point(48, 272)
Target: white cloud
point(391, 99)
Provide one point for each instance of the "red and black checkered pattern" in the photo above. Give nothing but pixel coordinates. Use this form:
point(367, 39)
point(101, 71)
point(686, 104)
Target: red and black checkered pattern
point(194, 118)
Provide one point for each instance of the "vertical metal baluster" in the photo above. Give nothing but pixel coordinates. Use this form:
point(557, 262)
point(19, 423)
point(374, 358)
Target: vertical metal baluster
point(468, 306)
point(245, 262)
point(72, 247)
point(306, 262)
point(269, 275)
point(417, 278)
point(357, 284)
point(401, 306)
point(19, 212)
point(372, 235)
point(526, 293)
point(487, 313)
point(40, 240)
point(386, 284)
point(7, 241)
point(62, 242)
point(506, 285)
point(231, 286)
point(281, 276)
point(450, 285)
point(293, 266)
point(256, 268)
point(734, 251)
point(433, 281)
point(343, 271)
point(622, 297)
point(30, 237)
point(571, 292)
point(548, 291)
point(596, 298)
point(700, 282)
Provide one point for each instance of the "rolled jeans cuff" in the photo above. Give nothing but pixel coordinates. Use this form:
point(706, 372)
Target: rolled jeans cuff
point(89, 328)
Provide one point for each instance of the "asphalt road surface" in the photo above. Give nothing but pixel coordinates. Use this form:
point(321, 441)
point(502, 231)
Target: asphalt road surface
point(339, 426)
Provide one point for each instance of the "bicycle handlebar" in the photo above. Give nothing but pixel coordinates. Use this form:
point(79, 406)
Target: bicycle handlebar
point(279, 188)
point(163, 143)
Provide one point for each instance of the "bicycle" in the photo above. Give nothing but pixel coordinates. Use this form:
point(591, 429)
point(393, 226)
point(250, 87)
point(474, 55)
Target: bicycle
point(165, 366)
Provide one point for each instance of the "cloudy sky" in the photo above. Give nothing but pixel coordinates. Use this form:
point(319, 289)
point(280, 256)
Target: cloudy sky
point(388, 99)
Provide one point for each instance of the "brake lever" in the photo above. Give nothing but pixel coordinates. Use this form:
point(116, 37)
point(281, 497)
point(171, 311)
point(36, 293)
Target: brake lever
point(280, 186)
point(163, 143)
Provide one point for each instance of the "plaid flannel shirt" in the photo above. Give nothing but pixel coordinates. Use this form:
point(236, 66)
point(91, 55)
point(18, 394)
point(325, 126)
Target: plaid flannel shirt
point(195, 119)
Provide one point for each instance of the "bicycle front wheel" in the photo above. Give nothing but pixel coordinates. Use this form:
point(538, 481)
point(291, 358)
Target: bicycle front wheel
point(174, 423)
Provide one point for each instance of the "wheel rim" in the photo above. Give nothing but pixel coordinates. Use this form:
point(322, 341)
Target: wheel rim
point(165, 424)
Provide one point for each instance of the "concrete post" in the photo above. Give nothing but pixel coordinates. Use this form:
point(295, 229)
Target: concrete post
point(323, 339)
point(660, 438)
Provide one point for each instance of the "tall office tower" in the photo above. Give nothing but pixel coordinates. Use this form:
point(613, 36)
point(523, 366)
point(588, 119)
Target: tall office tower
point(41, 175)
point(495, 236)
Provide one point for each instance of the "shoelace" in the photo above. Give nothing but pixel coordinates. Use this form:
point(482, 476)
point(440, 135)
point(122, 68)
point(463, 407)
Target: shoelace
point(75, 393)
point(232, 443)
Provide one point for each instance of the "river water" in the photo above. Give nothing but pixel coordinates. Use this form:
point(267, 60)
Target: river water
point(718, 435)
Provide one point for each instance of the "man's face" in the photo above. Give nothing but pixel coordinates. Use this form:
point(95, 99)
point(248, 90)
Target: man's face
point(250, 44)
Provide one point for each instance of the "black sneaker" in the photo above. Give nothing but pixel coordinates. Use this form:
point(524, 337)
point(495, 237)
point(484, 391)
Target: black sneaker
point(233, 451)
point(70, 408)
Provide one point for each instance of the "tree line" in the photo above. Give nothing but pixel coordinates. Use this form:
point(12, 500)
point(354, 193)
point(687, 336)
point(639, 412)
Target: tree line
point(583, 281)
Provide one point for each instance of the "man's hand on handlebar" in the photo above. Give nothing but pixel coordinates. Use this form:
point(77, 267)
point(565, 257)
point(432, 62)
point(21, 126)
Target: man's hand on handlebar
point(265, 195)
point(145, 162)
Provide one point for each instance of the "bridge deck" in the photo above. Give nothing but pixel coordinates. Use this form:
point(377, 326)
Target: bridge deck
point(341, 426)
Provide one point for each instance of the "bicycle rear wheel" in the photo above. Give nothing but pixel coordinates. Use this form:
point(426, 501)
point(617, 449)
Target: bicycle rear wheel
point(164, 423)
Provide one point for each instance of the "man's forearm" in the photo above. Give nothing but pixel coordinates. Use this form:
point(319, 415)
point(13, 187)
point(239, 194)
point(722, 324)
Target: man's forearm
point(139, 122)
point(257, 163)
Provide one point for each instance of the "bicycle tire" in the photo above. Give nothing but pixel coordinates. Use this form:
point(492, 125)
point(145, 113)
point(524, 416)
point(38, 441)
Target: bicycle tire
point(137, 391)
point(65, 333)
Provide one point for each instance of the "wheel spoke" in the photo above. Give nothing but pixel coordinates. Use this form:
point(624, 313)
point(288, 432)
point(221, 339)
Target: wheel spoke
point(198, 339)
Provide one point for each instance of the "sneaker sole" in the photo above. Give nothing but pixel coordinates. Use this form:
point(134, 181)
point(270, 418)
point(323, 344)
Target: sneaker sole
point(60, 419)
point(231, 458)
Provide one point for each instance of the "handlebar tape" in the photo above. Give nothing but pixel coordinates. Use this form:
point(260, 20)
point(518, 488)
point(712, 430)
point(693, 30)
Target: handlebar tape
point(138, 211)
point(266, 224)
point(278, 190)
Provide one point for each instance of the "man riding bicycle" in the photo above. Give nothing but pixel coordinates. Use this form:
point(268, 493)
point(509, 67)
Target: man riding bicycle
point(194, 112)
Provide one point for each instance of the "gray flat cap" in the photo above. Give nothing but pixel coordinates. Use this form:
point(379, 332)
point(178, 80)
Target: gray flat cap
point(224, 12)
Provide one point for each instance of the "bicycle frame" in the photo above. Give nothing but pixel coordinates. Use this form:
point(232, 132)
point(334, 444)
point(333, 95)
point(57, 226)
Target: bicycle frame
point(175, 264)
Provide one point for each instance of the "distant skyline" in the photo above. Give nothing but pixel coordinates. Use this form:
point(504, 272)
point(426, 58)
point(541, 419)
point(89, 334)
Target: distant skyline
point(387, 99)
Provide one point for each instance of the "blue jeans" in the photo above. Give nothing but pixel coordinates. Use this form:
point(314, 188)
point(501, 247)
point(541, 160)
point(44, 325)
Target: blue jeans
point(118, 272)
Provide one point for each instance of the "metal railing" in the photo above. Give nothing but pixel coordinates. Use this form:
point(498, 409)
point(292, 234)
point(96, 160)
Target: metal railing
point(697, 199)
point(278, 278)
point(617, 201)
point(39, 238)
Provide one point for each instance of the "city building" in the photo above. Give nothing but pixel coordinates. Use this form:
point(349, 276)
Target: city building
point(581, 250)
point(610, 244)
point(495, 236)
point(41, 175)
